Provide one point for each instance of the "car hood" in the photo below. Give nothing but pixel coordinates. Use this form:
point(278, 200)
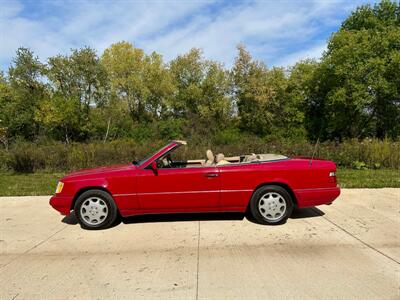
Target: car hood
point(99, 171)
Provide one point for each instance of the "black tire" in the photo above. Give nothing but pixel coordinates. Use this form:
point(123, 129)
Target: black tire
point(284, 198)
point(109, 206)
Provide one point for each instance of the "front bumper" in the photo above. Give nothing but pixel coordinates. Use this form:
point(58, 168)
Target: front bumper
point(61, 203)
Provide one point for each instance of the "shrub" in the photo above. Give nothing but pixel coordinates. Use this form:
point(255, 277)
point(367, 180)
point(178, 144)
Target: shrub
point(5, 160)
point(359, 165)
point(23, 160)
point(58, 157)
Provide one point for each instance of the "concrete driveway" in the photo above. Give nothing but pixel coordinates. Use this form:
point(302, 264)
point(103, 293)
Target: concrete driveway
point(349, 250)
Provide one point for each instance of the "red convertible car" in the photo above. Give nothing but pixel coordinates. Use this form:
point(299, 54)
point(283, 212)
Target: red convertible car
point(268, 186)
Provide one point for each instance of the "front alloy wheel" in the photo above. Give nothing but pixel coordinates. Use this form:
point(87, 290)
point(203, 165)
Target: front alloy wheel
point(95, 209)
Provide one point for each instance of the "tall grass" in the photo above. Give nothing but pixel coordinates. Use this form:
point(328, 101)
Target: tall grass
point(25, 157)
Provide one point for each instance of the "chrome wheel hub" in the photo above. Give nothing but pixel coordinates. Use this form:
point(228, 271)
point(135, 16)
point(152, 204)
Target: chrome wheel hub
point(272, 206)
point(94, 211)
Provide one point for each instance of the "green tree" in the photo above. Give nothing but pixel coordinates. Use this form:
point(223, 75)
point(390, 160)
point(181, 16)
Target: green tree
point(160, 85)
point(188, 73)
point(253, 95)
point(214, 105)
point(78, 83)
point(110, 121)
point(27, 90)
point(60, 115)
point(286, 107)
point(352, 92)
point(360, 74)
point(6, 99)
point(140, 80)
point(202, 95)
point(304, 112)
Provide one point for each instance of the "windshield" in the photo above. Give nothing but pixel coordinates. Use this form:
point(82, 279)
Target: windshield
point(140, 162)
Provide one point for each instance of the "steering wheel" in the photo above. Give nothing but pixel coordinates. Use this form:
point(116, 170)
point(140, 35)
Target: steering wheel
point(165, 162)
point(169, 161)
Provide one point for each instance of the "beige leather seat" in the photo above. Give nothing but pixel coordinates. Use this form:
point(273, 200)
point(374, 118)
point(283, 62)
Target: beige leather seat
point(250, 158)
point(221, 160)
point(210, 158)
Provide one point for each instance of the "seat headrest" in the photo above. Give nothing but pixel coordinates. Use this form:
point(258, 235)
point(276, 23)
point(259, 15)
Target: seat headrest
point(250, 158)
point(220, 157)
point(210, 155)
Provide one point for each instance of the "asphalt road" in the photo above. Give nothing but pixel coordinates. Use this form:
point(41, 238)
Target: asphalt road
point(349, 250)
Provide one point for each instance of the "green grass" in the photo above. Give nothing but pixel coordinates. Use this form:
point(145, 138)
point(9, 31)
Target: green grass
point(12, 184)
point(35, 184)
point(349, 178)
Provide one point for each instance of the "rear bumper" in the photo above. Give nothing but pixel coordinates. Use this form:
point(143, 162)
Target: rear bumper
point(61, 203)
point(317, 196)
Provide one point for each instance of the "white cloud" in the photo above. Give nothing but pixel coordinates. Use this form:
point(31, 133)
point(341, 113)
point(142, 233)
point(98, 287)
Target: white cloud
point(279, 33)
point(314, 52)
point(268, 29)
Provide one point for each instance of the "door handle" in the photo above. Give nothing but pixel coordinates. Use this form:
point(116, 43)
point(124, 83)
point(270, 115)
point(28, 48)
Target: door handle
point(211, 174)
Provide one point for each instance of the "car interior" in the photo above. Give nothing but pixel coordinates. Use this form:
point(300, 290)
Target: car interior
point(210, 160)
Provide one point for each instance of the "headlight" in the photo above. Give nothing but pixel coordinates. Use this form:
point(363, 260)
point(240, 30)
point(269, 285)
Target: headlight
point(332, 174)
point(59, 188)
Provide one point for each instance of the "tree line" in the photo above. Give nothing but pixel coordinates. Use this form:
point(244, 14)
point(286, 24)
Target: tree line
point(353, 91)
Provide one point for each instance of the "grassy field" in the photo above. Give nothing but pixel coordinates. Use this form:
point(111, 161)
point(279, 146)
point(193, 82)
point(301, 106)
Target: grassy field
point(45, 183)
point(12, 184)
point(349, 178)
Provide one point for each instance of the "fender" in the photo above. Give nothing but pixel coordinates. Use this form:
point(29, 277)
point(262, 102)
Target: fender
point(280, 182)
point(71, 188)
point(274, 180)
point(65, 203)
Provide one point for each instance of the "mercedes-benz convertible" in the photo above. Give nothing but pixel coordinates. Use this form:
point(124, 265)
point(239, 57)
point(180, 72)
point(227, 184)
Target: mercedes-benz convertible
point(267, 186)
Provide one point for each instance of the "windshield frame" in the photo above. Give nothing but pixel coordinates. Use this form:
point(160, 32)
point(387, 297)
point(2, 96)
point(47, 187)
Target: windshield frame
point(148, 160)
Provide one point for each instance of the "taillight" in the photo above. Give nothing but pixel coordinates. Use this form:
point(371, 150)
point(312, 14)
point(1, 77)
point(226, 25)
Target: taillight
point(332, 177)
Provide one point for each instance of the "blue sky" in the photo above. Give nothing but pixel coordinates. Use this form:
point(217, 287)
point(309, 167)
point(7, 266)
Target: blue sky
point(277, 32)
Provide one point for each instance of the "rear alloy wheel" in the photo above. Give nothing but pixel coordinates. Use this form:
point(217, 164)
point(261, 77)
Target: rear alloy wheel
point(95, 209)
point(271, 205)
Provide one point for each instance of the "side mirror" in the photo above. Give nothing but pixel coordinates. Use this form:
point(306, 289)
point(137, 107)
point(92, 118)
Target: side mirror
point(154, 167)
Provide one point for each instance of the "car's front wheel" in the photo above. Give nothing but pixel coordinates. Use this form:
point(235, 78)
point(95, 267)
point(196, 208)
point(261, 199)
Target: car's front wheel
point(271, 205)
point(95, 209)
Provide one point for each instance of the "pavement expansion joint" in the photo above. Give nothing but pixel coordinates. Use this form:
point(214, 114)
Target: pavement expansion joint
point(357, 238)
point(34, 247)
point(198, 262)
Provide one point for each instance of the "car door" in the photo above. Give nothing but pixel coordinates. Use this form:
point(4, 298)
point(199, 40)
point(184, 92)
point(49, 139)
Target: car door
point(237, 185)
point(179, 189)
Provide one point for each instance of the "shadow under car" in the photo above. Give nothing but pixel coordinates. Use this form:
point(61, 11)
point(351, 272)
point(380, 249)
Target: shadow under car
point(303, 213)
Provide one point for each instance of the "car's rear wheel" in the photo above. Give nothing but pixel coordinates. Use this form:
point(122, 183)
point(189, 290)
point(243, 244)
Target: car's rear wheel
point(271, 205)
point(95, 209)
